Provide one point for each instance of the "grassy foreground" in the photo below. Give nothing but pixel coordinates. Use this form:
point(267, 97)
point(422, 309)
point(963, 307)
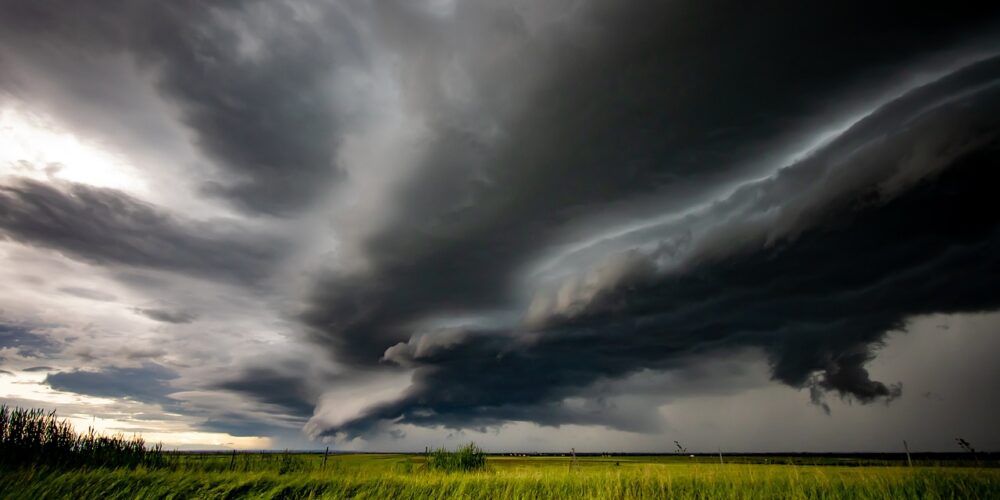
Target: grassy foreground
point(402, 476)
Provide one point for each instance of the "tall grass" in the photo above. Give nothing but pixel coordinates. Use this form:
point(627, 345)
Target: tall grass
point(684, 481)
point(465, 459)
point(32, 437)
point(280, 463)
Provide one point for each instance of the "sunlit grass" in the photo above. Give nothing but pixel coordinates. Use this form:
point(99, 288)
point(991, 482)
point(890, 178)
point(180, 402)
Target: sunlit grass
point(401, 476)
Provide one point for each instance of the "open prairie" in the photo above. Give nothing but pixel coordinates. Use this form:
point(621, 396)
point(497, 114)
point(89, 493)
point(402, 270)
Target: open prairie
point(406, 476)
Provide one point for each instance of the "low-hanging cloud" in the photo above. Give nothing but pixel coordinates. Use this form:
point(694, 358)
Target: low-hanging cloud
point(27, 341)
point(616, 104)
point(105, 226)
point(757, 273)
point(245, 77)
point(148, 383)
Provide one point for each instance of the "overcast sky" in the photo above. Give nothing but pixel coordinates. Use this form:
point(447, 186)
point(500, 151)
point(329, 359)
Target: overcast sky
point(384, 225)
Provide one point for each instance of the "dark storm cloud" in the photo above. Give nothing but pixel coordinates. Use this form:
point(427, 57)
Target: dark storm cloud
point(623, 101)
point(27, 341)
point(819, 317)
point(278, 398)
point(105, 226)
point(253, 80)
point(270, 386)
point(891, 223)
point(149, 383)
point(236, 424)
point(167, 316)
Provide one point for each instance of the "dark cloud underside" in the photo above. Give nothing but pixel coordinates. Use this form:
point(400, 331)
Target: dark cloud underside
point(265, 114)
point(893, 226)
point(149, 383)
point(273, 387)
point(105, 226)
point(27, 341)
point(663, 101)
point(654, 100)
point(167, 316)
point(811, 312)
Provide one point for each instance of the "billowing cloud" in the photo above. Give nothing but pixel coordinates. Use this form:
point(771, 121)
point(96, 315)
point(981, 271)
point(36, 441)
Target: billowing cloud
point(246, 79)
point(820, 320)
point(750, 273)
point(148, 383)
point(617, 115)
point(468, 235)
point(285, 391)
point(26, 341)
point(105, 226)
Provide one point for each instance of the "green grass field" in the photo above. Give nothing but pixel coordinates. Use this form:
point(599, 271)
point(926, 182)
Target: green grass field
point(404, 476)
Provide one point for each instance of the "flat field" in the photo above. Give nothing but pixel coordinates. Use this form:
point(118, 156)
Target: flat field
point(404, 476)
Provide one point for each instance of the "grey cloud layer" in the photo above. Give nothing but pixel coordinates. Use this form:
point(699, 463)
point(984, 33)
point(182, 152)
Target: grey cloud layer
point(149, 383)
point(819, 318)
point(252, 80)
point(26, 341)
point(755, 274)
point(636, 102)
point(108, 227)
point(271, 386)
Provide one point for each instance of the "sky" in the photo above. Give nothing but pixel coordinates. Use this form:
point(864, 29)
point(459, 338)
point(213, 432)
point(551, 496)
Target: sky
point(536, 225)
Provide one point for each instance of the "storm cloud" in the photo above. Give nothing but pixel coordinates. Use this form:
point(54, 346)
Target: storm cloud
point(273, 387)
point(149, 383)
point(633, 116)
point(633, 298)
point(819, 319)
point(105, 226)
point(27, 341)
point(245, 77)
